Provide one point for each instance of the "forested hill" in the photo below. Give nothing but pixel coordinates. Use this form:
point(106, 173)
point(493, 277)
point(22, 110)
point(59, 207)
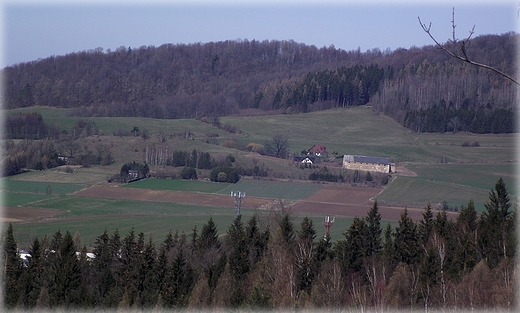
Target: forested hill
point(232, 77)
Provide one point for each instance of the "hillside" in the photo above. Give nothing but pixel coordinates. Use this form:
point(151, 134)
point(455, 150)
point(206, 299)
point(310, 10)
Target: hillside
point(250, 77)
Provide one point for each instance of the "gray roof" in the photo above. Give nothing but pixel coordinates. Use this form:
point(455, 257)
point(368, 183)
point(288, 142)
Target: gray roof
point(366, 159)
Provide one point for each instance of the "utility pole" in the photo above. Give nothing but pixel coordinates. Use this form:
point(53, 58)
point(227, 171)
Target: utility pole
point(328, 222)
point(238, 195)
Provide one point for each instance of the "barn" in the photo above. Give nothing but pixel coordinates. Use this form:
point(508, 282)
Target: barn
point(367, 163)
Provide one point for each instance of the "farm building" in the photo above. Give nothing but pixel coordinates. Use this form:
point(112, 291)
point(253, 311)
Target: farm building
point(318, 150)
point(304, 160)
point(367, 163)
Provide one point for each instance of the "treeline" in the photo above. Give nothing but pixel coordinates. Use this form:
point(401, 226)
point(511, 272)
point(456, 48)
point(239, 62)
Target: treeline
point(28, 126)
point(45, 147)
point(221, 78)
point(341, 87)
point(435, 263)
point(441, 119)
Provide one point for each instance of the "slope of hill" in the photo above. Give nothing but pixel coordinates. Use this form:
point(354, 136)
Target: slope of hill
point(225, 78)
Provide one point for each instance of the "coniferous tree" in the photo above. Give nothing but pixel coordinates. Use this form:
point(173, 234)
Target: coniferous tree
point(304, 255)
point(32, 280)
point(66, 280)
point(238, 255)
point(426, 225)
point(357, 237)
point(373, 221)
point(406, 245)
point(12, 268)
point(102, 276)
point(287, 229)
point(388, 253)
point(148, 276)
point(494, 229)
point(466, 245)
point(256, 240)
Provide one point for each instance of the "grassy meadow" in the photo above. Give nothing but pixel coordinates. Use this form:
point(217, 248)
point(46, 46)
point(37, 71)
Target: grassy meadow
point(465, 172)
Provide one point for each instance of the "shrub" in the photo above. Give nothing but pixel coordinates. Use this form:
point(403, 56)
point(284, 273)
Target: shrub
point(231, 175)
point(188, 173)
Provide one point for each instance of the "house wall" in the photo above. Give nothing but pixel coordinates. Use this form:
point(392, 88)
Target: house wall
point(369, 167)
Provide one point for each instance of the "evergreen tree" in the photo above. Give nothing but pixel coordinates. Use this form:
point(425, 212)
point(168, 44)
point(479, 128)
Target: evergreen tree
point(33, 279)
point(426, 225)
point(12, 269)
point(306, 270)
point(287, 229)
point(256, 240)
point(495, 227)
point(208, 237)
point(238, 256)
point(406, 245)
point(465, 237)
point(373, 221)
point(357, 244)
point(148, 277)
point(103, 278)
point(66, 281)
point(428, 274)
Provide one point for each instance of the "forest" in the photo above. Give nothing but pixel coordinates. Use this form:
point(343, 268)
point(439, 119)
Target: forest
point(270, 263)
point(208, 80)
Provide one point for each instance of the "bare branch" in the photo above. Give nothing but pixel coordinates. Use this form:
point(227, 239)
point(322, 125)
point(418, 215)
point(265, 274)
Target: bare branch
point(460, 52)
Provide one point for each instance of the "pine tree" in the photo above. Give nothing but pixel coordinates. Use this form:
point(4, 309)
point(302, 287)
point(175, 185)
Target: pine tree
point(238, 256)
point(426, 225)
point(66, 280)
point(34, 277)
point(12, 268)
point(466, 254)
point(373, 221)
point(406, 245)
point(102, 267)
point(304, 255)
point(287, 230)
point(208, 237)
point(256, 240)
point(495, 228)
point(357, 244)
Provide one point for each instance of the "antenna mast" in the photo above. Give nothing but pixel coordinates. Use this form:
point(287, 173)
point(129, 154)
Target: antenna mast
point(238, 195)
point(328, 222)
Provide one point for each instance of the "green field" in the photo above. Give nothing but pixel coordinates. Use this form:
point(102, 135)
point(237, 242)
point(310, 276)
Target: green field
point(9, 185)
point(466, 172)
point(90, 217)
point(418, 192)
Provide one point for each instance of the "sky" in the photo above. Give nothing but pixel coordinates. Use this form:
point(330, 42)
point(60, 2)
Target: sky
point(38, 29)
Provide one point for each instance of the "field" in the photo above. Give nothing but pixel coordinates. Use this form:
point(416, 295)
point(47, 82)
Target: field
point(81, 200)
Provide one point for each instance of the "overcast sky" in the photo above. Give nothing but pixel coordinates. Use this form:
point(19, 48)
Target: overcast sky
point(39, 29)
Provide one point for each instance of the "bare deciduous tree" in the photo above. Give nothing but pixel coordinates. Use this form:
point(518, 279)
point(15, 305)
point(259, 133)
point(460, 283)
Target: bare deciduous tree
point(459, 47)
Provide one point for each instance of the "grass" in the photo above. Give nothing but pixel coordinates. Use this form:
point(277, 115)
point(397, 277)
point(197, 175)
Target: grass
point(16, 199)
point(418, 192)
point(90, 217)
point(469, 174)
point(10, 185)
point(481, 176)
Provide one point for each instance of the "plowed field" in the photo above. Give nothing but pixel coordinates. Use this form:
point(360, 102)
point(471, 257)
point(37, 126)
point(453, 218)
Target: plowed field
point(349, 201)
point(181, 197)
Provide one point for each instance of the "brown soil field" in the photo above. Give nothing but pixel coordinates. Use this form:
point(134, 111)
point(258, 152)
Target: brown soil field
point(195, 198)
point(347, 201)
point(20, 214)
point(332, 200)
